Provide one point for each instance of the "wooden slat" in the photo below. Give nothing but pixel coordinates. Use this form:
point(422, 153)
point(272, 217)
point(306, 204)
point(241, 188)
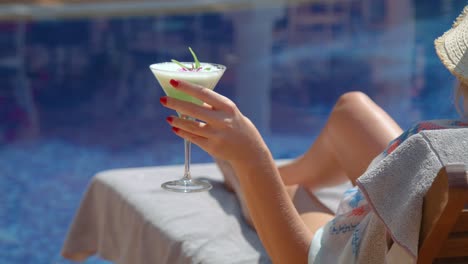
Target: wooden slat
point(462, 223)
point(443, 204)
point(462, 260)
point(455, 246)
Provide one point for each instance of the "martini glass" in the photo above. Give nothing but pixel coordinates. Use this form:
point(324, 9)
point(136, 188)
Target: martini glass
point(208, 76)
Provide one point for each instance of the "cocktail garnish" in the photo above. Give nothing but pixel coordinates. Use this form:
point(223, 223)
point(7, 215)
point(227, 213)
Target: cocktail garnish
point(195, 67)
point(197, 63)
point(180, 64)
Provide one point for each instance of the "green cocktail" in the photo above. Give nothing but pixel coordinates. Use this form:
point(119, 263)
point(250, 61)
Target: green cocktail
point(204, 74)
point(207, 76)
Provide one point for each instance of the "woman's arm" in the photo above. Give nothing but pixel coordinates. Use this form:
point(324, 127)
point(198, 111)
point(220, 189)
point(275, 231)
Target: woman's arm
point(282, 231)
point(227, 134)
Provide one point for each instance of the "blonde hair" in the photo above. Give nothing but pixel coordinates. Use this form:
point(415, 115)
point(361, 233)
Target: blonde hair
point(461, 93)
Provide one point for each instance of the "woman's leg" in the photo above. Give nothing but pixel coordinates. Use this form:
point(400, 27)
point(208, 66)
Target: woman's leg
point(356, 132)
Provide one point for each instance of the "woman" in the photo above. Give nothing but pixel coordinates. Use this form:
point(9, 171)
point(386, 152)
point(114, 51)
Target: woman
point(356, 132)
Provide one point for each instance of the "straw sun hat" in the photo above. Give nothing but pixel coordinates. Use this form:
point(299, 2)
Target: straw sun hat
point(452, 47)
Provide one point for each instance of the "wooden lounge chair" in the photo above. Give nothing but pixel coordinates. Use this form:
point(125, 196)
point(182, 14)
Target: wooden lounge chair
point(444, 228)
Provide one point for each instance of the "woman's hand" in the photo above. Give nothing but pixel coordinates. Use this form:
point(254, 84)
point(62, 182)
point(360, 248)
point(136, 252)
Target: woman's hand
point(222, 130)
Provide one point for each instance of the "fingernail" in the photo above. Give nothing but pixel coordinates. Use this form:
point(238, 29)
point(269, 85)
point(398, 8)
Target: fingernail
point(175, 129)
point(174, 83)
point(169, 119)
point(163, 100)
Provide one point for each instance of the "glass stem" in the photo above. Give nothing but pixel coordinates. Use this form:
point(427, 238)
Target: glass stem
point(187, 147)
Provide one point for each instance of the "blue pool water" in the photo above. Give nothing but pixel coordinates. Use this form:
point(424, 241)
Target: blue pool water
point(77, 96)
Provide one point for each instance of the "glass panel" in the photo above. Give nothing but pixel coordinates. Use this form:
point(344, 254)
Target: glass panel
point(77, 96)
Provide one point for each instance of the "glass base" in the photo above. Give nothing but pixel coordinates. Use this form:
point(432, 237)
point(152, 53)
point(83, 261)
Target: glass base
point(187, 186)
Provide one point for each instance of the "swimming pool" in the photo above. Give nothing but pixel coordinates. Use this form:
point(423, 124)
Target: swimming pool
point(77, 96)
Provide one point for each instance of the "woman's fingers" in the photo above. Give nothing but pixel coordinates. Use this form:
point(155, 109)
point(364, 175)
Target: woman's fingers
point(197, 140)
point(192, 126)
point(206, 95)
point(203, 112)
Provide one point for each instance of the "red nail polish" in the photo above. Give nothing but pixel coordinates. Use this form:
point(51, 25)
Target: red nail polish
point(174, 83)
point(169, 119)
point(163, 100)
point(175, 129)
